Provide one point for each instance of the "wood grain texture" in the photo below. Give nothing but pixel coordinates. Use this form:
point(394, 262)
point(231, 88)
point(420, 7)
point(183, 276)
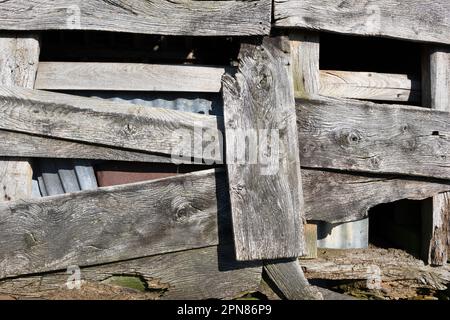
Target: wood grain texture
point(436, 88)
point(367, 137)
point(98, 121)
point(18, 144)
point(19, 56)
point(338, 197)
point(187, 17)
point(111, 224)
point(305, 53)
point(405, 19)
point(128, 77)
point(369, 86)
point(266, 198)
point(204, 273)
point(288, 277)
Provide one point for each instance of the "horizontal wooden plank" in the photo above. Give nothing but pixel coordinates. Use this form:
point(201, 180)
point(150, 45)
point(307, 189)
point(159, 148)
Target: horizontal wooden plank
point(337, 197)
point(404, 19)
point(128, 77)
point(18, 144)
point(112, 224)
point(369, 86)
point(368, 137)
point(180, 17)
point(204, 273)
point(97, 121)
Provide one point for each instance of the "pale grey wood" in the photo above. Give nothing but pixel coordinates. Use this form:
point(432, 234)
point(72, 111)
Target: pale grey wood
point(98, 121)
point(369, 86)
point(205, 273)
point(368, 137)
point(18, 144)
point(111, 224)
point(305, 52)
point(19, 56)
point(288, 277)
point(436, 88)
point(405, 19)
point(266, 204)
point(187, 18)
point(67, 175)
point(339, 197)
point(128, 77)
point(85, 174)
point(50, 177)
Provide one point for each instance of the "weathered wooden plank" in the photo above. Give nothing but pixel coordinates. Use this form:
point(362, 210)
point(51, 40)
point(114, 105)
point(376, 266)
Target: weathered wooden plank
point(363, 136)
point(19, 57)
point(310, 241)
point(305, 53)
point(266, 195)
point(187, 18)
point(404, 19)
point(111, 224)
point(18, 144)
point(436, 88)
point(128, 77)
point(288, 277)
point(205, 273)
point(98, 121)
point(339, 197)
point(369, 86)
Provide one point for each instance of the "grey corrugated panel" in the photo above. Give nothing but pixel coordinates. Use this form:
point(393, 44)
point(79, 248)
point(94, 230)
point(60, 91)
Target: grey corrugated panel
point(85, 174)
point(50, 177)
point(349, 235)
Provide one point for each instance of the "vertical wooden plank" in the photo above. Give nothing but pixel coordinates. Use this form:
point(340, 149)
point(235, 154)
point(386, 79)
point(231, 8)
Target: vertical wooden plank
point(305, 50)
point(310, 241)
point(265, 191)
point(19, 57)
point(436, 95)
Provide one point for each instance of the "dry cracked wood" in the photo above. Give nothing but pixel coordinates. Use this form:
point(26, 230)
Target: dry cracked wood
point(165, 17)
point(128, 77)
point(19, 56)
point(111, 224)
point(99, 121)
point(369, 86)
point(265, 190)
point(366, 137)
point(338, 197)
point(436, 89)
point(204, 273)
point(405, 19)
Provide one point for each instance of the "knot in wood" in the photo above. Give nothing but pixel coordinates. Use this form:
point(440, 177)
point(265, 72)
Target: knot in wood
point(348, 137)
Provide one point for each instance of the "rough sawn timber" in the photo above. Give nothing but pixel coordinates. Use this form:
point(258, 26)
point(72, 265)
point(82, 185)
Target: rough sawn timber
point(426, 20)
point(19, 56)
point(164, 17)
point(204, 273)
point(266, 196)
point(97, 121)
point(111, 224)
point(349, 135)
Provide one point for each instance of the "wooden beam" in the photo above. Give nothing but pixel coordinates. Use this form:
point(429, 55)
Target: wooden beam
point(369, 86)
point(367, 137)
point(305, 52)
point(18, 144)
point(97, 121)
point(337, 197)
point(19, 56)
point(206, 273)
point(403, 19)
point(94, 227)
point(128, 77)
point(288, 277)
point(186, 18)
point(436, 73)
point(266, 195)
